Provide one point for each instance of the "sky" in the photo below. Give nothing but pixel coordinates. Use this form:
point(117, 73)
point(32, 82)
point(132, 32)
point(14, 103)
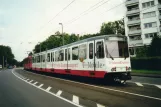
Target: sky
point(25, 23)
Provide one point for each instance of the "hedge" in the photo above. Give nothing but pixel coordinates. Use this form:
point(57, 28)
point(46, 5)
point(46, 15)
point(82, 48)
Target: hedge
point(149, 63)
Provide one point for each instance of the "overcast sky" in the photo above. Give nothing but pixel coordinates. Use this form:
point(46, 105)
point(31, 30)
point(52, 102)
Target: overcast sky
point(24, 23)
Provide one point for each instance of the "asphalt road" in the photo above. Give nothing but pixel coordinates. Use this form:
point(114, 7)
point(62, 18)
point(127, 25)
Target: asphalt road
point(16, 93)
point(146, 80)
point(133, 94)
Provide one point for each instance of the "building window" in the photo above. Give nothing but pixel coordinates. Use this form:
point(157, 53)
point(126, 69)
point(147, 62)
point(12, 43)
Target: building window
point(132, 51)
point(75, 53)
point(150, 35)
point(149, 25)
point(149, 14)
point(91, 51)
point(148, 4)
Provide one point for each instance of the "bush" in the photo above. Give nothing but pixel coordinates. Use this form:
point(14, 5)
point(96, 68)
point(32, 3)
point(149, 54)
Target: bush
point(150, 63)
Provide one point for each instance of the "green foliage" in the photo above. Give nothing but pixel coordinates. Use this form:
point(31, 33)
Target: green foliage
point(113, 27)
point(146, 63)
point(56, 40)
point(153, 50)
point(6, 52)
point(142, 51)
point(155, 47)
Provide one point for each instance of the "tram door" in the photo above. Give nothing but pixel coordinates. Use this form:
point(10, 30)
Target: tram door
point(99, 54)
point(91, 55)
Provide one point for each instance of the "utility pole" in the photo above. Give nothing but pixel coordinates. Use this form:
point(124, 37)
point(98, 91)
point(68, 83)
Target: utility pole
point(3, 62)
point(62, 31)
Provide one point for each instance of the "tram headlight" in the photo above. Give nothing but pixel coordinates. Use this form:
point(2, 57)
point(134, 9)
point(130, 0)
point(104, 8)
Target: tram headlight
point(128, 68)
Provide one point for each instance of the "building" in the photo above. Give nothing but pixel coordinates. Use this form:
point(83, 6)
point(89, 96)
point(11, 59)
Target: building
point(142, 22)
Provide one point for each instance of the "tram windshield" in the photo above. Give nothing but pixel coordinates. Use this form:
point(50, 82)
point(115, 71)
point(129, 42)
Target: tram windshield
point(117, 49)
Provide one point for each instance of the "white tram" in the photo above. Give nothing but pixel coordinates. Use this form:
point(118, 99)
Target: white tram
point(98, 57)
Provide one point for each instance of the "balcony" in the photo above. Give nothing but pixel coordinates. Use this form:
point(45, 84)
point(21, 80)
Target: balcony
point(159, 6)
point(133, 22)
point(133, 11)
point(130, 2)
point(134, 32)
point(135, 42)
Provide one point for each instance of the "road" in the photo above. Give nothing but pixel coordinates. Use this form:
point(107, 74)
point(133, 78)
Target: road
point(146, 80)
point(16, 93)
point(23, 86)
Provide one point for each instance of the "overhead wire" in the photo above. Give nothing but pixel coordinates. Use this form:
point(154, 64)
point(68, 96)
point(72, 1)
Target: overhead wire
point(58, 13)
point(92, 8)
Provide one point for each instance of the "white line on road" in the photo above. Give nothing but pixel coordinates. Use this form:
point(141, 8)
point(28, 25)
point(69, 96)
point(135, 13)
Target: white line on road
point(49, 92)
point(59, 93)
point(31, 81)
point(40, 85)
point(138, 84)
point(105, 88)
point(48, 89)
point(99, 105)
point(75, 99)
point(35, 83)
point(159, 86)
point(27, 79)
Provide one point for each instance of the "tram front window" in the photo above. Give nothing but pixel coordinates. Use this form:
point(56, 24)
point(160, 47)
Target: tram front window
point(117, 49)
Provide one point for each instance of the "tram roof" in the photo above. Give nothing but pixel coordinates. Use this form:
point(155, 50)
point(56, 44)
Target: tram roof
point(84, 40)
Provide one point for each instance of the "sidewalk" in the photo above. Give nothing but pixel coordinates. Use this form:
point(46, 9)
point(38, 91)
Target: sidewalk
point(146, 75)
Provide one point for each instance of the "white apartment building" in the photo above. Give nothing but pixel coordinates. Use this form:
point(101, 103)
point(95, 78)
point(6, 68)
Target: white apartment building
point(142, 22)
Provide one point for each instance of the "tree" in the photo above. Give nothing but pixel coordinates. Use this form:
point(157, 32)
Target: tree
point(113, 27)
point(155, 47)
point(6, 52)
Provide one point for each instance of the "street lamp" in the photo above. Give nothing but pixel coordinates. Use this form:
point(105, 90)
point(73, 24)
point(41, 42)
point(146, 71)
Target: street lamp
point(62, 31)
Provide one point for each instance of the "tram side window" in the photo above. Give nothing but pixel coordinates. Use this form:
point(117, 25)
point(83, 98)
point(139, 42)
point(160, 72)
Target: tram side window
point(61, 55)
point(32, 59)
point(65, 54)
point(69, 53)
point(35, 59)
point(100, 50)
point(48, 57)
point(75, 53)
point(82, 51)
point(43, 58)
point(91, 51)
point(57, 56)
point(53, 56)
point(38, 58)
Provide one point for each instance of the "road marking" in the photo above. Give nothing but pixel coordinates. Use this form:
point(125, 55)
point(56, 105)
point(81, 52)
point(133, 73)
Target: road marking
point(99, 105)
point(35, 83)
point(27, 79)
point(142, 83)
point(59, 93)
point(75, 99)
point(159, 86)
point(40, 85)
point(138, 84)
point(49, 92)
point(125, 92)
point(48, 89)
point(31, 81)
